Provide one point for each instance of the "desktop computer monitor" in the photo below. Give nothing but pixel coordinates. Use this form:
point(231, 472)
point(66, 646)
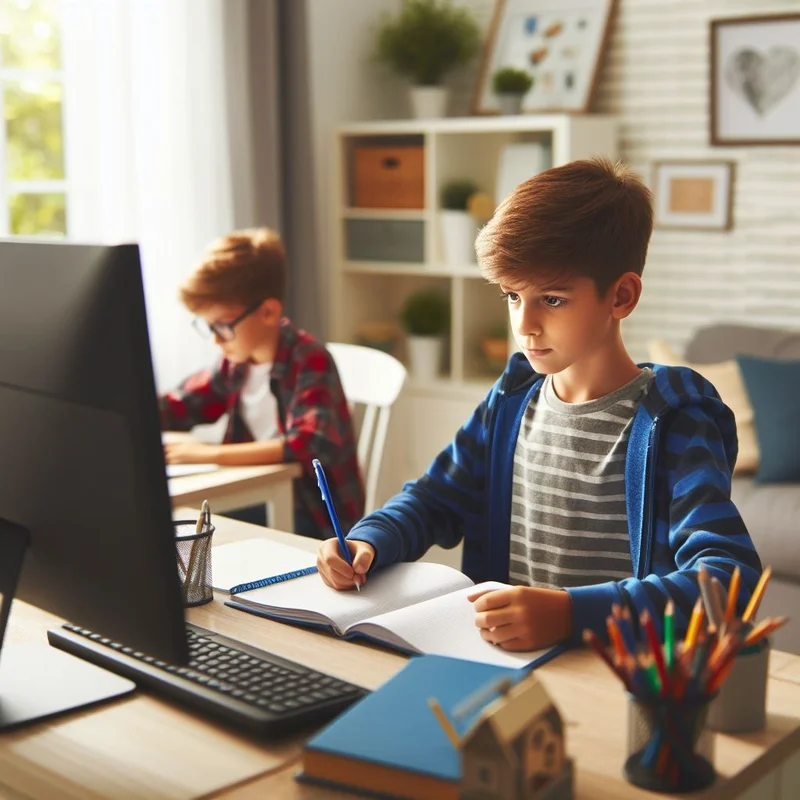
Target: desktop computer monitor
point(85, 518)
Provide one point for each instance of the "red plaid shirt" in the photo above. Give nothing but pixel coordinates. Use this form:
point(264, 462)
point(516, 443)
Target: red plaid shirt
point(313, 419)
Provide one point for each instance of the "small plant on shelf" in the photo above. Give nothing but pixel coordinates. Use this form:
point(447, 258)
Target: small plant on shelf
point(456, 195)
point(426, 313)
point(463, 208)
point(426, 318)
point(511, 84)
point(510, 80)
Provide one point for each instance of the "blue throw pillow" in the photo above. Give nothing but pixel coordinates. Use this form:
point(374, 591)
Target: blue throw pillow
point(773, 386)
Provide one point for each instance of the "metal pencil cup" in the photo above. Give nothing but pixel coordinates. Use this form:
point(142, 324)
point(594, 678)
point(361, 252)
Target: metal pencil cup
point(193, 551)
point(741, 705)
point(668, 749)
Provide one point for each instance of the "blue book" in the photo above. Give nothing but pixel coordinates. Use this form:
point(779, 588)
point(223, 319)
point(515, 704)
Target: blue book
point(415, 608)
point(390, 744)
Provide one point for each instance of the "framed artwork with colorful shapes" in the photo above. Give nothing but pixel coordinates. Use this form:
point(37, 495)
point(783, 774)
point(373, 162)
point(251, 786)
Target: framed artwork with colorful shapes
point(559, 43)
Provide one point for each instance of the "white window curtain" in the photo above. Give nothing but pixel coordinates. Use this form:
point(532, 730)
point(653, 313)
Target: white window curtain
point(158, 144)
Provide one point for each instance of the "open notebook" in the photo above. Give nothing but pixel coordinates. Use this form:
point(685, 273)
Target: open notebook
point(414, 607)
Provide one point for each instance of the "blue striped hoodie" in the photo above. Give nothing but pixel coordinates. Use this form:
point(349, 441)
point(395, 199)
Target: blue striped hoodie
point(681, 452)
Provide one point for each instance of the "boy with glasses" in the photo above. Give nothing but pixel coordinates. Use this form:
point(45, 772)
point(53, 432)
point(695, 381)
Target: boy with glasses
point(278, 385)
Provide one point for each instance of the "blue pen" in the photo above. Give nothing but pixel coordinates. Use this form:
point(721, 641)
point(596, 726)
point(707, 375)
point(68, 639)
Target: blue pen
point(326, 496)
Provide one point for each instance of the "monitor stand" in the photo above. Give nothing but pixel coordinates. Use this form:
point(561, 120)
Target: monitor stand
point(36, 680)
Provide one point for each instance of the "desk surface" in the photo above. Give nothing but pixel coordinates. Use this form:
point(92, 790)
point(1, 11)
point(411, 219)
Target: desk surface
point(191, 490)
point(146, 747)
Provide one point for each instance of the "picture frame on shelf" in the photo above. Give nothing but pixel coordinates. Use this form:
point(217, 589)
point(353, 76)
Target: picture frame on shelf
point(560, 43)
point(694, 195)
point(755, 80)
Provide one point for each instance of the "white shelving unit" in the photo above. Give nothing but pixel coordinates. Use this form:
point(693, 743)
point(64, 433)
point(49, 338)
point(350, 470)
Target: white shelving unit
point(364, 291)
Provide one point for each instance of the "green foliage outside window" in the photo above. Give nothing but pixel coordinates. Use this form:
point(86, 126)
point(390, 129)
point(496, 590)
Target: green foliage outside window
point(34, 142)
point(37, 214)
point(30, 46)
point(30, 36)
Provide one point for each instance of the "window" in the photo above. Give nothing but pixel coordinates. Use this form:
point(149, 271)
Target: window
point(33, 186)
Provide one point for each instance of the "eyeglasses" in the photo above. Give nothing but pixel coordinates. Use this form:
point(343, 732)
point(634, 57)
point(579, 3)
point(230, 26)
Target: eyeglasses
point(225, 330)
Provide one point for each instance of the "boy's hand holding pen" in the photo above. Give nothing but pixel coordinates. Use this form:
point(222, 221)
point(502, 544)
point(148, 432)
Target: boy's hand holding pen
point(342, 563)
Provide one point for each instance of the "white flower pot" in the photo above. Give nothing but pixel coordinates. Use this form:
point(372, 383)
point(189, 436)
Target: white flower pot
point(510, 103)
point(428, 102)
point(458, 230)
point(424, 356)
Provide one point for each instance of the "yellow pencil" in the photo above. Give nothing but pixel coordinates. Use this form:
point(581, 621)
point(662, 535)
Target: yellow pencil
point(447, 726)
point(695, 622)
point(733, 594)
point(758, 593)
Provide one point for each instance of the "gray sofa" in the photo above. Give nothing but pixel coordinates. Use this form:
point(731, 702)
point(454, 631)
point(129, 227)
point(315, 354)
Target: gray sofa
point(770, 511)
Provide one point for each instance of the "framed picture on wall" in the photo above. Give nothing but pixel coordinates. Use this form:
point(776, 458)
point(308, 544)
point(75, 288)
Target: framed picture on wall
point(755, 80)
point(559, 43)
point(694, 195)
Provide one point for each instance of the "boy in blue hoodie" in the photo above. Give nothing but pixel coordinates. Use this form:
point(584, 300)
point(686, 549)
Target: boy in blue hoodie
point(582, 479)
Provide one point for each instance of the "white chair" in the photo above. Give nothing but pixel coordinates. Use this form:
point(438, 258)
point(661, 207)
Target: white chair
point(372, 378)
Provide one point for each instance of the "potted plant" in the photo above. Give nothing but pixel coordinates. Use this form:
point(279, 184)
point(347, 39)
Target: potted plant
point(424, 41)
point(426, 319)
point(511, 84)
point(458, 226)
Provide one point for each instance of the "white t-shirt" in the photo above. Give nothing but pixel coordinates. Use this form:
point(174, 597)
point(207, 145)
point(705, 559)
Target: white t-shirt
point(258, 404)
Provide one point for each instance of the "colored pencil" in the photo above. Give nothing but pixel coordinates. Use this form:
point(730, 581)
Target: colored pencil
point(733, 595)
point(763, 629)
point(758, 593)
point(696, 620)
point(669, 635)
point(655, 646)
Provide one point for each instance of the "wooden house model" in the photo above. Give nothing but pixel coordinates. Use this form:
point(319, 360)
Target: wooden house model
point(515, 748)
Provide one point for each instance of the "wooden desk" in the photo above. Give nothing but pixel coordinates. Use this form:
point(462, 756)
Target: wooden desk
point(144, 747)
point(229, 488)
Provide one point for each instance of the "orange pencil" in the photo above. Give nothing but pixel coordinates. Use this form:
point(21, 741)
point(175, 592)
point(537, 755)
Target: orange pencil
point(615, 637)
point(764, 628)
point(733, 594)
point(758, 593)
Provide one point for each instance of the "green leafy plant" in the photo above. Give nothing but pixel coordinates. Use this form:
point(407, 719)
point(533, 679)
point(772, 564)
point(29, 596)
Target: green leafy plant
point(426, 313)
point(427, 39)
point(456, 195)
point(510, 80)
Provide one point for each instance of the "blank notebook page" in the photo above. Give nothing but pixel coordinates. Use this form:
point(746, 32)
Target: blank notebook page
point(445, 626)
point(393, 587)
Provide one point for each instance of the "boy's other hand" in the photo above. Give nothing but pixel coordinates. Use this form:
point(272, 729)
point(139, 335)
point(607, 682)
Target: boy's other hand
point(336, 572)
point(523, 617)
point(189, 452)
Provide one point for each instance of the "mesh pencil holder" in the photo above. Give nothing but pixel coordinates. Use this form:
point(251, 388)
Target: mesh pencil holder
point(741, 704)
point(193, 553)
point(666, 744)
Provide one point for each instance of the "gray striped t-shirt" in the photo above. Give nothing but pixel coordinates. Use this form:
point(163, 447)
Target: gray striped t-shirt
point(569, 525)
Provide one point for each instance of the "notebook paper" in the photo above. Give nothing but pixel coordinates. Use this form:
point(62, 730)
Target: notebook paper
point(254, 559)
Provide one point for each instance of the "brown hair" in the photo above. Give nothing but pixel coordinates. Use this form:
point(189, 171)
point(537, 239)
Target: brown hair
point(242, 268)
point(587, 218)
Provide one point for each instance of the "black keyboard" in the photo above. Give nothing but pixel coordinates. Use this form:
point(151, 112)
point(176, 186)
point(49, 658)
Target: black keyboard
point(253, 690)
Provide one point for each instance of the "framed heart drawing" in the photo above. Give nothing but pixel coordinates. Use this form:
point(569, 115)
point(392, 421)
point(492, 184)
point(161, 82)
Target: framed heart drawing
point(755, 80)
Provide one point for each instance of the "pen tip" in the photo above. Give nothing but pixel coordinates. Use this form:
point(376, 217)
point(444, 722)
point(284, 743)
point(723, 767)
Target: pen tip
point(358, 587)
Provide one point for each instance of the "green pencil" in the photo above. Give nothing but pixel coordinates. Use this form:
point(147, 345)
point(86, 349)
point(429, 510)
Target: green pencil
point(669, 635)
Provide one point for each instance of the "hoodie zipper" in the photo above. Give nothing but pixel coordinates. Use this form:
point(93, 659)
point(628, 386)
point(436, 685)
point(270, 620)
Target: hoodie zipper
point(647, 522)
